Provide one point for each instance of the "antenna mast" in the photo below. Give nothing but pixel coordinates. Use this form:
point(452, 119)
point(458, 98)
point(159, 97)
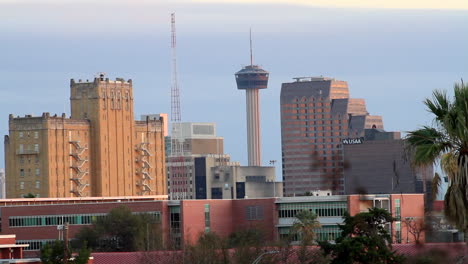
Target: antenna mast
point(175, 97)
point(251, 53)
point(177, 175)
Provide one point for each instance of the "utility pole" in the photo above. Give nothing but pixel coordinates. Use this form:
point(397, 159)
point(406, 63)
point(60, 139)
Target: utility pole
point(272, 163)
point(65, 241)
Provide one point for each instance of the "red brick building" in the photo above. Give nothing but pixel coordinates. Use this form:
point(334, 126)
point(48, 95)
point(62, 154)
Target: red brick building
point(35, 221)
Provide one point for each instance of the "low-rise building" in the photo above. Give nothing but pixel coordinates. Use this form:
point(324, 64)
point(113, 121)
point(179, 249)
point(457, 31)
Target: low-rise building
point(35, 220)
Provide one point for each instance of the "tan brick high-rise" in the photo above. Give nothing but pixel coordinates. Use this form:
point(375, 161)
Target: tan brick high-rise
point(99, 151)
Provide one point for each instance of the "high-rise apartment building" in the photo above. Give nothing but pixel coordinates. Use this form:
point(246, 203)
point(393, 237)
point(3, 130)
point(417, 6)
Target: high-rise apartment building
point(317, 114)
point(100, 151)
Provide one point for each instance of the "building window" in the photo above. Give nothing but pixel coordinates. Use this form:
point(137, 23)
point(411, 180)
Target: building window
point(324, 233)
point(36, 147)
point(21, 148)
point(21, 172)
point(216, 193)
point(397, 209)
point(321, 209)
point(21, 134)
point(398, 232)
point(21, 185)
point(36, 134)
point(38, 172)
point(35, 244)
point(72, 219)
point(38, 184)
point(254, 212)
point(207, 218)
point(21, 160)
point(112, 100)
point(382, 203)
point(126, 101)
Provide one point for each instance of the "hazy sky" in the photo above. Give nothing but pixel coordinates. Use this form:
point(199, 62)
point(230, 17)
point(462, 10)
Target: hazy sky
point(392, 53)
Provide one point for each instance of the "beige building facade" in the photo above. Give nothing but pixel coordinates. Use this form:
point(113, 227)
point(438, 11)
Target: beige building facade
point(100, 151)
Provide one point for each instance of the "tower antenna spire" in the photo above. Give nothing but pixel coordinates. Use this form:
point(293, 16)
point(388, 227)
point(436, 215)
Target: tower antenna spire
point(251, 52)
point(175, 96)
point(177, 176)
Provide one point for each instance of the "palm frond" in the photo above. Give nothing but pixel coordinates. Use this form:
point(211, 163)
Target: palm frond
point(439, 105)
point(449, 141)
point(427, 144)
point(449, 164)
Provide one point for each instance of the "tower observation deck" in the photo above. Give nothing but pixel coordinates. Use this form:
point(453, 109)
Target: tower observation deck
point(252, 78)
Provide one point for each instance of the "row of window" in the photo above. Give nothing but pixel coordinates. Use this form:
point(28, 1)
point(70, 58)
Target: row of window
point(22, 159)
point(35, 133)
point(37, 172)
point(207, 218)
point(323, 209)
point(324, 233)
point(322, 212)
point(36, 244)
point(29, 149)
point(21, 185)
point(73, 219)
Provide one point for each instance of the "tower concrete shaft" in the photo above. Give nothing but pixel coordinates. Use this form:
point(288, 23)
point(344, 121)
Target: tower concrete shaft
point(253, 127)
point(252, 78)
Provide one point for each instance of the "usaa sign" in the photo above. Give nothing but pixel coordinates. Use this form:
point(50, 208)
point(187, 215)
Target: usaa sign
point(352, 141)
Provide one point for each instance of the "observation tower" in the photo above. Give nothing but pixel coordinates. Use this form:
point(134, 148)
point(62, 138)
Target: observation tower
point(252, 78)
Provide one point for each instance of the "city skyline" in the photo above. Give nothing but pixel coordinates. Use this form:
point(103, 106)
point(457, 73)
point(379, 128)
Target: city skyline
point(407, 53)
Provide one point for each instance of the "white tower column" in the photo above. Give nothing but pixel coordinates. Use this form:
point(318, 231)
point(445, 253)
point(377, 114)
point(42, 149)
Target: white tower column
point(253, 127)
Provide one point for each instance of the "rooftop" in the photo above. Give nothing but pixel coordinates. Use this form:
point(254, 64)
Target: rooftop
point(313, 79)
point(251, 69)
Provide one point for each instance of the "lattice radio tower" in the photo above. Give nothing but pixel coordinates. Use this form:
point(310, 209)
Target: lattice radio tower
point(178, 187)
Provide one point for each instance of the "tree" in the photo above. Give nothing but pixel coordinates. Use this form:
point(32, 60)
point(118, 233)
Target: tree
point(364, 240)
point(209, 249)
point(303, 228)
point(29, 195)
point(55, 254)
point(248, 244)
point(83, 255)
point(415, 227)
point(121, 230)
point(304, 225)
point(447, 139)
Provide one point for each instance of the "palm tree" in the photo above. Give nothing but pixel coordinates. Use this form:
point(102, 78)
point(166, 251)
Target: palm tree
point(447, 139)
point(304, 225)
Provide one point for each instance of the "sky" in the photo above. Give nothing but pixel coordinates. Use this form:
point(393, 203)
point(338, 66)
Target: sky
point(392, 53)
